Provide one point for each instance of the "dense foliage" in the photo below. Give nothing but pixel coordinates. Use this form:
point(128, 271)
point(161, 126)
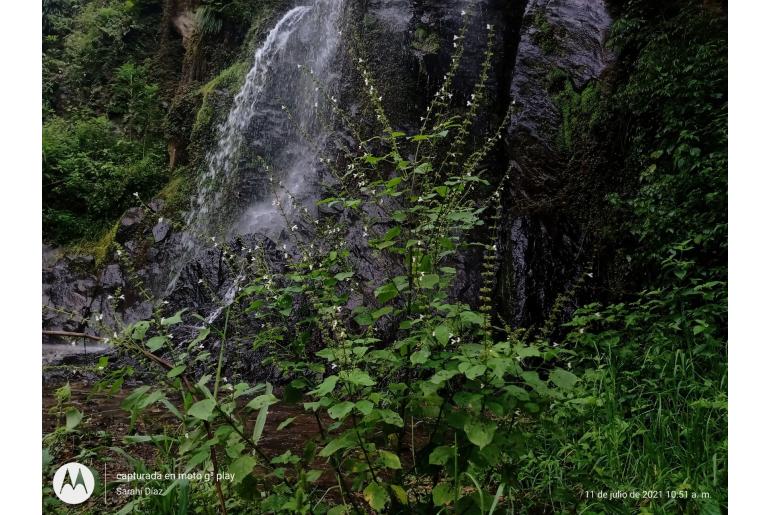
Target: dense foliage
point(420, 402)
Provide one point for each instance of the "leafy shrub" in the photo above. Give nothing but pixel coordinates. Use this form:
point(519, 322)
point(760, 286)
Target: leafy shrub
point(89, 175)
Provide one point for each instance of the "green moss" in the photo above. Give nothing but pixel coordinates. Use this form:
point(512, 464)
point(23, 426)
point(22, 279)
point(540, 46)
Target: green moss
point(229, 81)
point(579, 109)
point(99, 248)
point(177, 192)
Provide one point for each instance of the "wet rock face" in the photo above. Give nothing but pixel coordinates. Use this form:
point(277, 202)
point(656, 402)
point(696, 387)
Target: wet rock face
point(413, 41)
point(561, 46)
point(67, 293)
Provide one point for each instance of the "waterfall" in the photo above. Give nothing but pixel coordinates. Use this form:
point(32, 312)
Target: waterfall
point(263, 133)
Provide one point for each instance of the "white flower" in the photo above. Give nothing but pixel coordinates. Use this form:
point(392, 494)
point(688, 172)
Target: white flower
point(469, 103)
point(455, 37)
point(294, 227)
point(590, 274)
point(136, 194)
point(122, 297)
point(200, 281)
point(489, 27)
point(160, 220)
point(109, 297)
point(462, 13)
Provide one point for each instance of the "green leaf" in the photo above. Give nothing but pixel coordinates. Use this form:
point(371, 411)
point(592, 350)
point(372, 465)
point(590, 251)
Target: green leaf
point(420, 357)
point(176, 371)
point(343, 276)
point(391, 417)
point(155, 343)
point(469, 317)
point(340, 410)
point(443, 494)
point(376, 496)
point(140, 329)
point(381, 313)
point(563, 379)
point(357, 377)
point(259, 424)
point(241, 468)
point(386, 292)
point(364, 406)
point(202, 409)
point(475, 371)
point(174, 319)
point(73, 418)
point(390, 460)
point(480, 433)
point(400, 494)
point(441, 455)
point(345, 441)
point(429, 281)
point(261, 401)
point(441, 333)
point(326, 387)
point(285, 423)
point(203, 333)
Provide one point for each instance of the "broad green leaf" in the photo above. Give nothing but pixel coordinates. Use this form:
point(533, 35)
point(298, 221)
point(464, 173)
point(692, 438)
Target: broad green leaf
point(441, 333)
point(326, 387)
point(376, 496)
point(174, 319)
point(386, 292)
point(563, 379)
point(364, 406)
point(139, 330)
point(390, 460)
point(443, 494)
point(155, 343)
point(441, 455)
point(391, 417)
point(345, 441)
point(202, 409)
point(475, 371)
point(469, 317)
point(357, 377)
point(241, 468)
point(420, 357)
point(340, 410)
point(429, 281)
point(480, 433)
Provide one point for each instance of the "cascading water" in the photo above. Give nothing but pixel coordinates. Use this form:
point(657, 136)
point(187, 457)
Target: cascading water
point(263, 134)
